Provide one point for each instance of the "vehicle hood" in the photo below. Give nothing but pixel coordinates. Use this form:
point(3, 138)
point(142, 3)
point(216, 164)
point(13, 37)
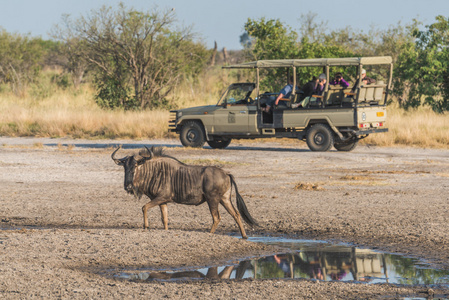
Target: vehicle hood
point(198, 110)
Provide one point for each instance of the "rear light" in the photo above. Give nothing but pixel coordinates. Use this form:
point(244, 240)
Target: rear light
point(367, 125)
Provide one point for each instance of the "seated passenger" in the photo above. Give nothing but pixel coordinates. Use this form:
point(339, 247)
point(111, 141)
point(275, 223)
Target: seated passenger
point(319, 89)
point(308, 88)
point(339, 81)
point(284, 93)
point(365, 80)
point(314, 87)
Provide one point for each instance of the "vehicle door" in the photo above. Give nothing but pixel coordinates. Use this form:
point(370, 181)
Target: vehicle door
point(233, 113)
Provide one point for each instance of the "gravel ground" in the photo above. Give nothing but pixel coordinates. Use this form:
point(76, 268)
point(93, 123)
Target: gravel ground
point(64, 216)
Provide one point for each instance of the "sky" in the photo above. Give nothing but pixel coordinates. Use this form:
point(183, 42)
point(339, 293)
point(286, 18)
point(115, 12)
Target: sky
point(223, 20)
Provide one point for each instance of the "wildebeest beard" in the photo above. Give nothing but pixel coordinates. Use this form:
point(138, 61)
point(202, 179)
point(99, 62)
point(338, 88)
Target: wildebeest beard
point(136, 193)
point(132, 188)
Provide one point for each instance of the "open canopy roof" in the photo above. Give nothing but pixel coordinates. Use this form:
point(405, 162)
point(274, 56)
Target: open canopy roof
point(314, 62)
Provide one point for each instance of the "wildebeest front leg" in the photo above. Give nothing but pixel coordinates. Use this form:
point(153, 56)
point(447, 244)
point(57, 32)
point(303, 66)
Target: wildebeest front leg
point(157, 201)
point(164, 215)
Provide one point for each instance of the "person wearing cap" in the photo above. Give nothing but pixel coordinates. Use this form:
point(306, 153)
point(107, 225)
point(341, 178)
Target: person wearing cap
point(339, 81)
point(365, 80)
point(319, 89)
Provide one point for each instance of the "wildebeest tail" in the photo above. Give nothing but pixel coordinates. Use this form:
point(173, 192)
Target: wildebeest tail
point(241, 206)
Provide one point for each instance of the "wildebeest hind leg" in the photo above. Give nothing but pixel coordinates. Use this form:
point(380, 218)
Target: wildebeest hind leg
point(146, 207)
point(234, 213)
point(164, 215)
point(213, 207)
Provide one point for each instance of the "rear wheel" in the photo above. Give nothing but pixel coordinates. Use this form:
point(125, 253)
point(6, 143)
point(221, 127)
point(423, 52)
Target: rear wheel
point(192, 135)
point(346, 146)
point(219, 143)
point(320, 137)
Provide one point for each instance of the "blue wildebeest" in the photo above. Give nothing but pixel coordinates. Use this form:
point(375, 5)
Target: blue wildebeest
point(165, 179)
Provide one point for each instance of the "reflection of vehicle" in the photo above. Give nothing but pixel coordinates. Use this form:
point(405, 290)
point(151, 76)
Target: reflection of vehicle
point(329, 263)
point(337, 118)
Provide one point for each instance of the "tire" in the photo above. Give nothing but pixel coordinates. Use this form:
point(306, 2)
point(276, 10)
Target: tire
point(192, 135)
point(320, 137)
point(346, 146)
point(219, 143)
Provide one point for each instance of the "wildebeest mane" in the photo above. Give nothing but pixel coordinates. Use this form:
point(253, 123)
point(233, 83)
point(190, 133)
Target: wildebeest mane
point(163, 171)
point(158, 152)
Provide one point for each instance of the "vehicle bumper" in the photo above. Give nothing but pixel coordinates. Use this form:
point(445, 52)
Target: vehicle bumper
point(369, 131)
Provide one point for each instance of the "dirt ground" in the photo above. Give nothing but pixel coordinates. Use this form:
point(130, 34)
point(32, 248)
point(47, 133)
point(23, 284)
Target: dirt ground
point(64, 215)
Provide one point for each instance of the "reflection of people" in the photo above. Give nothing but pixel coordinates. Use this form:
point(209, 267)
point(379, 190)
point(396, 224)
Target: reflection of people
point(309, 263)
point(315, 270)
point(283, 264)
point(338, 275)
point(339, 81)
point(284, 93)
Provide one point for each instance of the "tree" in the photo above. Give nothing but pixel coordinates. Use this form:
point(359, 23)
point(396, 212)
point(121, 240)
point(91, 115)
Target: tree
point(136, 51)
point(271, 39)
point(422, 69)
point(73, 48)
point(20, 60)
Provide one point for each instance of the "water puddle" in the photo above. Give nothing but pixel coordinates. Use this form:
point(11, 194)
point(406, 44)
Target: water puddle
point(307, 259)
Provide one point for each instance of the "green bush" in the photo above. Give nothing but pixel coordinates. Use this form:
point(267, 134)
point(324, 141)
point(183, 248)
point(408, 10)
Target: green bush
point(111, 95)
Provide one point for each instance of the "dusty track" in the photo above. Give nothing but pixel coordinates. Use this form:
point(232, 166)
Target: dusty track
point(68, 198)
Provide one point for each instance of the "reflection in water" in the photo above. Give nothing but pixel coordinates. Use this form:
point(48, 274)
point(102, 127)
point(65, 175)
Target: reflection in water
point(312, 260)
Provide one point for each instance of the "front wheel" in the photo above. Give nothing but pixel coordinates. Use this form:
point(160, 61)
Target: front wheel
point(219, 143)
point(192, 135)
point(346, 146)
point(320, 137)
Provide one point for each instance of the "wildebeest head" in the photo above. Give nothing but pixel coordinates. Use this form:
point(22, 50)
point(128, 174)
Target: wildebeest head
point(130, 164)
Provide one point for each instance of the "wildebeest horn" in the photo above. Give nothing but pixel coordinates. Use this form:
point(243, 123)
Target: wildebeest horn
point(143, 156)
point(150, 152)
point(117, 160)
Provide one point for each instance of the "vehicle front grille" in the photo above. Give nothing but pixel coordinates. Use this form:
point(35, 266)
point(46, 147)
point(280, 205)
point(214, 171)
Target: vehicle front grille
point(172, 121)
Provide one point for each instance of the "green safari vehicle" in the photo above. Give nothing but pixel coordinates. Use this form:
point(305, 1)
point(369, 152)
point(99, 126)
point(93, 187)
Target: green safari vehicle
point(338, 118)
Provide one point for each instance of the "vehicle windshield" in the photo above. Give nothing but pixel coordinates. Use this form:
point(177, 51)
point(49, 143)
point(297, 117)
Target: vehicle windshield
point(239, 93)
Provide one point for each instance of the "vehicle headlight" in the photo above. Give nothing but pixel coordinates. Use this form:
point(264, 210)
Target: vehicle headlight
point(179, 114)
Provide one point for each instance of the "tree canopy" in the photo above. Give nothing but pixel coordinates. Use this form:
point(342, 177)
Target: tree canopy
point(137, 57)
point(421, 56)
point(422, 69)
point(20, 59)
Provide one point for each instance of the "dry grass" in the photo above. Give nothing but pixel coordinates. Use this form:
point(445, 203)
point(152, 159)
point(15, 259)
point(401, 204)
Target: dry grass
point(76, 116)
point(421, 128)
point(67, 113)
